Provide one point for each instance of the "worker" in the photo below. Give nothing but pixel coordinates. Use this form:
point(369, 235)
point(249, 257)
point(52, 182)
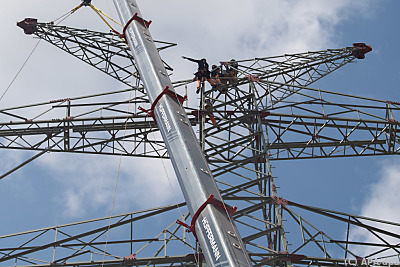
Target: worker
point(228, 74)
point(202, 74)
point(216, 73)
point(233, 71)
point(209, 107)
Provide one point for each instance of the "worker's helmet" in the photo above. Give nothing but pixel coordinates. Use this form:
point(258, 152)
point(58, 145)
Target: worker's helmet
point(233, 63)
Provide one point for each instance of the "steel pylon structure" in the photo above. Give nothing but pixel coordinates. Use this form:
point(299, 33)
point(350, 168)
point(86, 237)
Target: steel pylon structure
point(264, 112)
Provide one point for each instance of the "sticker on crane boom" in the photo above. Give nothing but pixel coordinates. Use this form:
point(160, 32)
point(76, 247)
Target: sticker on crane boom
point(211, 238)
point(138, 48)
point(134, 40)
point(165, 118)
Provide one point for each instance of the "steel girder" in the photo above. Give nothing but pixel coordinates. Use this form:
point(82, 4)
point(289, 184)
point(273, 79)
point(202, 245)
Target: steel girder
point(128, 136)
point(236, 150)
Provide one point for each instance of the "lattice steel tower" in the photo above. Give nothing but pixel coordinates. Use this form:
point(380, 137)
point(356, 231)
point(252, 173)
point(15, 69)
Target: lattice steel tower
point(262, 110)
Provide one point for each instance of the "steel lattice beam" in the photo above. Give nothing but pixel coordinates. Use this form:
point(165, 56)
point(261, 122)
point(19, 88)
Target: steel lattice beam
point(128, 136)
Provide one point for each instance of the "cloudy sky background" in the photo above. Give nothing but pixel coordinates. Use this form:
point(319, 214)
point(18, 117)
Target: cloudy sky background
point(60, 188)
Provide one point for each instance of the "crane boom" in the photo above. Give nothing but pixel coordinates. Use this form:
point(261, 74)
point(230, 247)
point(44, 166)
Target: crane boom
point(212, 224)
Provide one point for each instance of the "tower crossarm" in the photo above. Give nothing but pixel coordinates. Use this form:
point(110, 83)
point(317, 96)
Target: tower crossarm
point(125, 135)
point(90, 124)
point(305, 129)
point(297, 137)
point(276, 75)
point(104, 51)
point(323, 124)
point(291, 137)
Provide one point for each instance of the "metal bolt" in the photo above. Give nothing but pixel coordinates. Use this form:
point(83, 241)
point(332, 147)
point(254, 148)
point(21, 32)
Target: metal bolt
point(205, 171)
point(180, 113)
point(231, 233)
point(236, 245)
point(184, 121)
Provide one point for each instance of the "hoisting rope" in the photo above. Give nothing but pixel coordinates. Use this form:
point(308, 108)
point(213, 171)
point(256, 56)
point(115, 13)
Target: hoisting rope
point(99, 12)
point(151, 114)
point(102, 14)
point(76, 8)
point(120, 35)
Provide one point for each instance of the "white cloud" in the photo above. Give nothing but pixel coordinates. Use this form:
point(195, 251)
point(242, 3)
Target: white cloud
point(226, 29)
point(381, 202)
point(88, 183)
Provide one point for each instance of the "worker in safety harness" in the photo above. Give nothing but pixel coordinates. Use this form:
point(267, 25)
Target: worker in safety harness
point(232, 70)
point(202, 73)
point(209, 108)
point(216, 73)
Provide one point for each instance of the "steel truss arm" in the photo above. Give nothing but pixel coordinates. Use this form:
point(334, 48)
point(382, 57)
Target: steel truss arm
point(321, 124)
point(184, 260)
point(329, 137)
point(68, 125)
point(314, 124)
point(127, 136)
point(104, 51)
point(86, 124)
point(377, 229)
point(279, 74)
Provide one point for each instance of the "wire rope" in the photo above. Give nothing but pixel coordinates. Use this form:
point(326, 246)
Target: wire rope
point(169, 180)
point(172, 189)
point(98, 11)
point(117, 179)
point(20, 69)
point(175, 198)
point(61, 18)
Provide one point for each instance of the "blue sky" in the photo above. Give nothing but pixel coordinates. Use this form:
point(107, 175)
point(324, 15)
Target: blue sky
point(60, 188)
